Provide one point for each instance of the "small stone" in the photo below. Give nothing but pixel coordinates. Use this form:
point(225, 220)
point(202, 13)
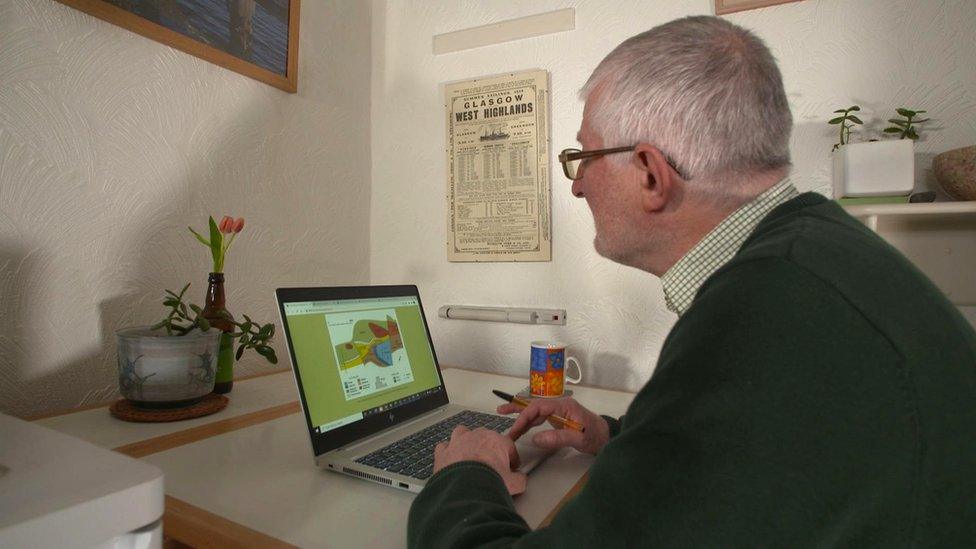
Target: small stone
point(955, 170)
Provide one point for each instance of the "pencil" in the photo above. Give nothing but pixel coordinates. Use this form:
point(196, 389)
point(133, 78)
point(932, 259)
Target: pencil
point(557, 420)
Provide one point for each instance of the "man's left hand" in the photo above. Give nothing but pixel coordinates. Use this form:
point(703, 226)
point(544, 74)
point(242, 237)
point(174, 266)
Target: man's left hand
point(493, 449)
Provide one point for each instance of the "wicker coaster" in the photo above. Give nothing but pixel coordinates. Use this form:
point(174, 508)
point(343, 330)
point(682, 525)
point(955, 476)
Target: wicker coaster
point(127, 411)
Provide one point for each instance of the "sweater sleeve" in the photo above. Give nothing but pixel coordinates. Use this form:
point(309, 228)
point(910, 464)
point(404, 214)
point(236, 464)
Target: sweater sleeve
point(752, 431)
point(464, 505)
point(465, 493)
point(614, 424)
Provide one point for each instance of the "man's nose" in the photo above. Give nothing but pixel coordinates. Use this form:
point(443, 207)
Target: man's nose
point(578, 188)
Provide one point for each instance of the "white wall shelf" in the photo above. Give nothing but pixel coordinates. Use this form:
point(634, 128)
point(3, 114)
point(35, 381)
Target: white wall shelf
point(938, 237)
point(870, 212)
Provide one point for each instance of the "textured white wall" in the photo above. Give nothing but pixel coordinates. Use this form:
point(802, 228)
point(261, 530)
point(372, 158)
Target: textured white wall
point(878, 53)
point(111, 144)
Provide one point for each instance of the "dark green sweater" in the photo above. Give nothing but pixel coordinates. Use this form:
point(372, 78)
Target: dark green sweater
point(819, 391)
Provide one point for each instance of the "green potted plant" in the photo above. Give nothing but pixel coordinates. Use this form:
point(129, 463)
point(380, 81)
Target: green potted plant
point(874, 167)
point(904, 127)
point(179, 360)
point(173, 363)
point(183, 318)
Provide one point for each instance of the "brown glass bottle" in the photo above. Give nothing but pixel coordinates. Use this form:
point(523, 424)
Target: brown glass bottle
point(215, 310)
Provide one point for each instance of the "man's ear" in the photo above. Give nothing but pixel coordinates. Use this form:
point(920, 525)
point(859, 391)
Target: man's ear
point(658, 184)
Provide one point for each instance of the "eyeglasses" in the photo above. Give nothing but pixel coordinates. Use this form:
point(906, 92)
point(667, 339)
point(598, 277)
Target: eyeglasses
point(572, 160)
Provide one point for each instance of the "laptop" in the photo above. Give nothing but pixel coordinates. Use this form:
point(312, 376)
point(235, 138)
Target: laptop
point(368, 379)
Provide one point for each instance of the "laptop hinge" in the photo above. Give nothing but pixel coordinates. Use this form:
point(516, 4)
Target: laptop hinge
point(388, 430)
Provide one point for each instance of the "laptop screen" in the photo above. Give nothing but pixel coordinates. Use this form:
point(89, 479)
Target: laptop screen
point(358, 357)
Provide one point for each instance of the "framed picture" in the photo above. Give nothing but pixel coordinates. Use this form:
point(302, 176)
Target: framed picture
point(730, 6)
point(256, 38)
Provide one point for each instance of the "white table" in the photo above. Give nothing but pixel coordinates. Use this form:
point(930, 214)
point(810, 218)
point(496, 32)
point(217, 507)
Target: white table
point(247, 475)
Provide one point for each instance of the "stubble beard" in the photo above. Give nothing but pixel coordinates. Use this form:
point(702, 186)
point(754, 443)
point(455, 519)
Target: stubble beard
point(618, 252)
point(630, 249)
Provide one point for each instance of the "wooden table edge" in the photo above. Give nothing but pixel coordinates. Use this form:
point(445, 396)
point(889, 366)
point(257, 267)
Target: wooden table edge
point(197, 527)
point(570, 494)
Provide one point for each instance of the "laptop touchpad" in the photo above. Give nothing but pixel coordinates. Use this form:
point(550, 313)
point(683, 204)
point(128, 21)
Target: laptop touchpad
point(530, 454)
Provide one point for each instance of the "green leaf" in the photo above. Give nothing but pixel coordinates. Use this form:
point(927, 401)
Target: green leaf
point(922, 120)
point(892, 130)
point(911, 134)
point(855, 119)
point(247, 318)
point(268, 353)
point(837, 120)
point(898, 121)
point(216, 241)
point(854, 108)
point(171, 302)
point(183, 310)
point(246, 327)
point(905, 112)
point(204, 323)
point(202, 240)
point(240, 352)
point(196, 308)
point(265, 330)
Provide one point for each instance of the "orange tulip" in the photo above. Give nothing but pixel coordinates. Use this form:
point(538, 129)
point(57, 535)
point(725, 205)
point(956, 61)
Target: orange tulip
point(226, 224)
point(238, 225)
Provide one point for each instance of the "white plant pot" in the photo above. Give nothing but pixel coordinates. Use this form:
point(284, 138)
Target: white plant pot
point(160, 371)
point(875, 168)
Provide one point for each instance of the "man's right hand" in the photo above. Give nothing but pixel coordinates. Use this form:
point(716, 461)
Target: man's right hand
point(594, 437)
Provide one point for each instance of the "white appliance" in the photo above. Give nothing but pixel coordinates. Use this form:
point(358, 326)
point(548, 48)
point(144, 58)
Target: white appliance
point(60, 491)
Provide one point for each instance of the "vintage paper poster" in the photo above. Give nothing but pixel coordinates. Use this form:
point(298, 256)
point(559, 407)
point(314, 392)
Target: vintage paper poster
point(498, 196)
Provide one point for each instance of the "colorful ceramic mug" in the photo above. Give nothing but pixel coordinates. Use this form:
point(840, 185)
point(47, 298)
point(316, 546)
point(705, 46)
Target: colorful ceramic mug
point(547, 373)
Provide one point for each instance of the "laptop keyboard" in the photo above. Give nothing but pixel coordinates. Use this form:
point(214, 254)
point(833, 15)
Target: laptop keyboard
point(413, 456)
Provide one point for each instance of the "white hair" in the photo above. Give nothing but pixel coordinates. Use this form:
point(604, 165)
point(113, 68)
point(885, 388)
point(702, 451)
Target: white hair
point(706, 92)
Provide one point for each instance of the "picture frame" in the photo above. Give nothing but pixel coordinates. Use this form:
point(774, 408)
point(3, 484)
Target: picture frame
point(255, 38)
point(723, 7)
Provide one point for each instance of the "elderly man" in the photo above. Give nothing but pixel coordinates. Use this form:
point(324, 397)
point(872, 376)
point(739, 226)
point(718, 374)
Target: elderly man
point(816, 388)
